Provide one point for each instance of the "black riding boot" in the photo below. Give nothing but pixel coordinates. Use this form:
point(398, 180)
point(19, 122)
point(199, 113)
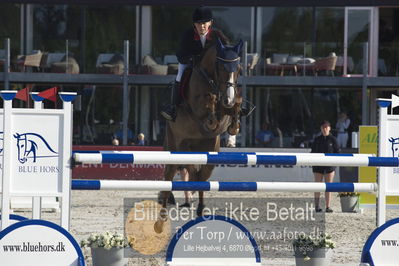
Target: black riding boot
point(169, 111)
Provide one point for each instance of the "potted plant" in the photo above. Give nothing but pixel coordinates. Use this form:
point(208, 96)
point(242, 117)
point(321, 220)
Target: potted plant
point(349, 201)
point(313, 250)
point(107, 249)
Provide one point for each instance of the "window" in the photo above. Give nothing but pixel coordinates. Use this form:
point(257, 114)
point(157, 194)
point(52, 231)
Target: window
point(388, 63)
point(89, 31)
point(297, 112)
point(285, 36)
point(10, 28)
point(169, 23)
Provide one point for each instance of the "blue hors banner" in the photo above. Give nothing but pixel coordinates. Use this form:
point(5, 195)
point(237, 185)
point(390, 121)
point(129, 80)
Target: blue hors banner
point(389, 147)
point(35, 153)
point(39, 243)
point(381, 248)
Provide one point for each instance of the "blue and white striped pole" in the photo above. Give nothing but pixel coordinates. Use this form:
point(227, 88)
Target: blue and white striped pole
point(221, 186)
point(300, 159)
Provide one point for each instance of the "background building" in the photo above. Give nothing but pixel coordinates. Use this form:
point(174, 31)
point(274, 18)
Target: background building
point(85, 42)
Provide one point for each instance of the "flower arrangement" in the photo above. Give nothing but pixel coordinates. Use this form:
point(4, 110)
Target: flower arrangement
point(348, 194)
point(305, 244)
point(106, 240)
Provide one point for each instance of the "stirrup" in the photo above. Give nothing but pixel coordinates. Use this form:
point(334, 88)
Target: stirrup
point(166, 116)
point(247, 111)
point(169, 114)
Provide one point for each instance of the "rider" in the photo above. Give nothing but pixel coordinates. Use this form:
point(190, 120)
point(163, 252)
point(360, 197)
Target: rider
point(193, 45)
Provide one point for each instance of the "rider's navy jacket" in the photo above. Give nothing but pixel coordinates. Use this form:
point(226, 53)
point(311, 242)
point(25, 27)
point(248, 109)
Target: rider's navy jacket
point(191, 49)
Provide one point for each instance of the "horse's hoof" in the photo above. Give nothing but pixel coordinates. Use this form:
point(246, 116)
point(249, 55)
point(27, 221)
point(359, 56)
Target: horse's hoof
point(171, 199)
point(158, 227)
point(200, 209)
point(160, 197)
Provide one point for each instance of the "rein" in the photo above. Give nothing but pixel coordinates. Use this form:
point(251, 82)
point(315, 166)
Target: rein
point(211, 82)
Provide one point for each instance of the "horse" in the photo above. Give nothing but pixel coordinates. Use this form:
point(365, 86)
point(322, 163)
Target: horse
point(28, 144)
point(212, 107)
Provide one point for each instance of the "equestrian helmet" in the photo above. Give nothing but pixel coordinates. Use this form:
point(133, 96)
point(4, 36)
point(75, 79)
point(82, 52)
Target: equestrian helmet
point(202, 14)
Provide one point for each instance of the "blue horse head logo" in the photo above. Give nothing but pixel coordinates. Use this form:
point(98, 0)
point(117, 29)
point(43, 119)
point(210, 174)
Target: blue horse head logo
point(33, 146)
point(394, 146)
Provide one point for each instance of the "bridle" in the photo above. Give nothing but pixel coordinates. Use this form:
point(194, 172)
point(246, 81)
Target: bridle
point(214, 85)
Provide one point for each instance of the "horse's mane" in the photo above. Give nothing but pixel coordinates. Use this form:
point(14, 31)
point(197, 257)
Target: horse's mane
point(209, 59)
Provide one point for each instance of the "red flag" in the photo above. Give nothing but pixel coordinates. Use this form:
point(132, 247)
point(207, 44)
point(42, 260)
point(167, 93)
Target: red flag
point(23, 94)
point(49, 94)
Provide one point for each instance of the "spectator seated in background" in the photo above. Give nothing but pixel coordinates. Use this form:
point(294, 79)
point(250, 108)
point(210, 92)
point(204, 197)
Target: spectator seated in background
point(119, 135)
point(115, 142)
point(141, 139)
point(265, 136)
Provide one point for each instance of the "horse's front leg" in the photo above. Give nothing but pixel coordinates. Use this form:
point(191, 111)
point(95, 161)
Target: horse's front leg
point(201, 204)
point(170, 171)
point(234, 127)
point(203, 175)
point(211, 122)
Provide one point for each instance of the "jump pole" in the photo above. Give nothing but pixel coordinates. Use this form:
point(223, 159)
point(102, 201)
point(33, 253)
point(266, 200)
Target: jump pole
point(222, 186)
point(166, 157)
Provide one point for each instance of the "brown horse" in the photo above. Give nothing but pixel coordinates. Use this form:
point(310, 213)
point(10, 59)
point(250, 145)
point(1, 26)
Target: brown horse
point(212, 106)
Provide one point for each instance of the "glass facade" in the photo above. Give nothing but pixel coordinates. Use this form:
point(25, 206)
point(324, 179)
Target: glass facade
point(358, 34)
point(286, 47)
point(83, 32)
point(168, 23)
point(388, 40)
point(329, 28)
point(296, 113)
point(286, 36)
point(311, 32)
point(10, 26)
